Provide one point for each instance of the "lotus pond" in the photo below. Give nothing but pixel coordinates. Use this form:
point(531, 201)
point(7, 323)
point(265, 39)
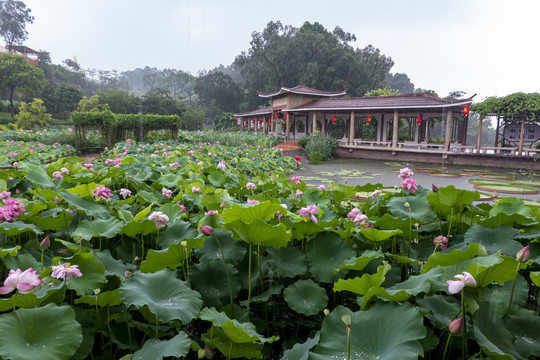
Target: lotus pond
point(193, 249)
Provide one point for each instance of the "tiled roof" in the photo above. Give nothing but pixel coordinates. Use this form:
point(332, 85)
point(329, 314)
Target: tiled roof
point(262, 111)
point(304, 90)
point(397, 102)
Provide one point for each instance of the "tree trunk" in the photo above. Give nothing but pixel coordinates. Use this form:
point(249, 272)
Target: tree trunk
point(11, 91)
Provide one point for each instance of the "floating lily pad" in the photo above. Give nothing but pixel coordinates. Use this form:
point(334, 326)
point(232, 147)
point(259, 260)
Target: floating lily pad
point(445, 174)
point(496, 176)
point(430, 169)
point(532, 183)
point(488, 181)
point(507, 189)
point(485, 197)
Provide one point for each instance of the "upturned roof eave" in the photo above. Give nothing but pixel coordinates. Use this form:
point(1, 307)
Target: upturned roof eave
point(337, 108)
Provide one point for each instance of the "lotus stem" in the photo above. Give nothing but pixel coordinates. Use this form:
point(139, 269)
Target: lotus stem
point(249, 277)
point(512, 293)
point(451, 217)
point(448, 342)
point(226, 273)
point(464, 350)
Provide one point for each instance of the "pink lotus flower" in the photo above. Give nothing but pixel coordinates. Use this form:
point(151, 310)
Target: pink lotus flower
point(102, 192)
point(65, 271)
point(159, 218)
point(222, 165)
point(295, 179)
point(409, 184)
point(182, 207)
point(64, 170)
point(523, 254)
point(23, 281)
point(440, 242)
point(211, 212)
point(195, 189)
point(299, 192)
point(58, 175)
point(251, 186)
point(360, 219)
point(353, 213)
point(321, 187)
point(207, 230)
point(166, 193)
point(309, 211)
point(455, 286)
point(405, 173)
point(253, 202)
point(376, 193)
point(456, 326)
point(125, 193)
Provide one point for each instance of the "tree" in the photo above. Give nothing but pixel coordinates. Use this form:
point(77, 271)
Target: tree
point(225, 121)
point(17, 73)
point(13, 18)
point(159, 102)
point(93, 104)
point(382, 92)
point(399, 82)
point(65, 99)
point(120, 101)
point(220, 90)
point(193, 119)
point(32, 115)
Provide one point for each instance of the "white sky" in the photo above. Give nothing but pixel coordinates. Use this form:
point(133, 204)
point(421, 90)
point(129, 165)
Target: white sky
point(487, 47)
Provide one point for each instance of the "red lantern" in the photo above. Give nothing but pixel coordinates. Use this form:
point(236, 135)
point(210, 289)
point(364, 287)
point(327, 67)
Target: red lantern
point(466, 110)
point(368, 119)
point(252, 122)
point(245, 122)
point(419, 119)
point(333, 119)
point(275, 116)
point(235, 118)
point(269, 120)
point(285, 117)
point(260, 122)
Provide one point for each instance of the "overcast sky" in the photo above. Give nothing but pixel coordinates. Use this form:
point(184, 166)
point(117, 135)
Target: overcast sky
point(487, 47)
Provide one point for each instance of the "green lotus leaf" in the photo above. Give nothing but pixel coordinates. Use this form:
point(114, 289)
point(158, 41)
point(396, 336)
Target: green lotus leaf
point(216, 282)
point(526, 331)
point(37, 175)
point(154, 349)
point(216, 178)
point(510, 206)
point(9, 251)
point(142, 214)
point(84, 190)
point(156, 260)
point(235, 331)
point(303, 228)
point(18, 227)
point(493, 268)
point(86, 206)
point(498, 296)
point(233, 251)
point(403, 291)
point(377, 235)
point(384, 332)
point(22, 261)
point(388, 222)
point(172, 210)
point(248, 213)
point(49, 332)
point(301, 351)
point(493, 336)
point(176, 232)
point(146, 197)
point(315, 196)
point(359, 263)
point(136, 229)
point(93, 273)
point(494, 239)
point(98, 227)
point(439, 309)
point(326, 252)
point(112, 265)
point(170, 180)
point(259, 232)
point(535, 277)
point(217, 338)
point(139, 172)
point(286, 261)
point(52, 219)
point(305, 297)
point(450, 200)
point(167, 297)
point(454, 257)
point(420, 209)
point(361, 285)
point(504, 219)
point(107, 298)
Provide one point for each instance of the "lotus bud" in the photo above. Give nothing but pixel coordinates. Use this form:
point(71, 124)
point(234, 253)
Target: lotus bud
point(347, 320)
point(326, 312)
point(434, 188)
point(45, 243)
point(456, 326)
point(97, 291)
point(127, 274)
point(207, 230)
point(523, 254)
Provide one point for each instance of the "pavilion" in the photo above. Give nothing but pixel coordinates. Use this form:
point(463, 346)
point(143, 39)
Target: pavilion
point(412, 127)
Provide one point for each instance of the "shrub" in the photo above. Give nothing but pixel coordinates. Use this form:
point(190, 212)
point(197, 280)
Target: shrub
point(225, 121)
point(32, 115)
point(302, 142)
point(321, 146)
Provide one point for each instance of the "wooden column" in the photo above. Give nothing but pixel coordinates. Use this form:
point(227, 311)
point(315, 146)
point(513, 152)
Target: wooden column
point(314, 124)
point(448, 132)
point(395, 129)
point(287, 129)
point(479, 139)
point(351, 128)
point(521, 135)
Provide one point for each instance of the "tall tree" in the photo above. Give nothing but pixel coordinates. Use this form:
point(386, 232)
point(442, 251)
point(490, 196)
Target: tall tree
point(18, 74)
point(219, 90)
point(65, 100)
point(399, 82)
point(13, 18)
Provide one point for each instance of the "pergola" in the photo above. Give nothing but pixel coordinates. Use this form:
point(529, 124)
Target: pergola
point(304, 110)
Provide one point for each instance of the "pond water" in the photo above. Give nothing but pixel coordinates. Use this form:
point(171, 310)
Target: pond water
point(363, 171)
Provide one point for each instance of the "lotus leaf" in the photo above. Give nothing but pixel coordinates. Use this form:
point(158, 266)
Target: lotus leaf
point(305, 297)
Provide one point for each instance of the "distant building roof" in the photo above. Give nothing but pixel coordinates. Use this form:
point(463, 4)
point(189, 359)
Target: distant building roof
point(304, 90)
point(397, 102)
